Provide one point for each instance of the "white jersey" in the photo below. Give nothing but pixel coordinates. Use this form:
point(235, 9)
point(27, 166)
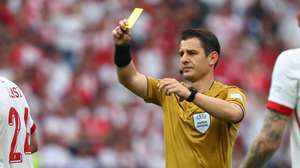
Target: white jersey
point(16, 126)
point(284, 96)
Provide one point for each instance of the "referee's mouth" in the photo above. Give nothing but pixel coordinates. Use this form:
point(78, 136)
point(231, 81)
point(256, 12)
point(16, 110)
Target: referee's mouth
point(186, 69)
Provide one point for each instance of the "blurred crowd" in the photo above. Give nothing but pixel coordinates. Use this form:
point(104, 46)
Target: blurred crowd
point(60, 52)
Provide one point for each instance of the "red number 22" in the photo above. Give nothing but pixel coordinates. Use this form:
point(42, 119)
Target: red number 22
point(14, 119)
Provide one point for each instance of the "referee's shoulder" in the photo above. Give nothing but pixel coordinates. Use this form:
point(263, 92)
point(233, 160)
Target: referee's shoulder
point(225, 87)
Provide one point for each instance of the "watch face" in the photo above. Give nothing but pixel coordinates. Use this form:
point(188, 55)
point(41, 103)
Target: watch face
point(193, 89)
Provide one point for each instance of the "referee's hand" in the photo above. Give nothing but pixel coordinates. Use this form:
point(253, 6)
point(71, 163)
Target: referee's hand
point(169, 86)
point(121, 34)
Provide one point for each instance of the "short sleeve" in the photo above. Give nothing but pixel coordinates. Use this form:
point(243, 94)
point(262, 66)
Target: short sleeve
point(153, 95)
point(235, 95)
point(283, 91)
point(31, 124)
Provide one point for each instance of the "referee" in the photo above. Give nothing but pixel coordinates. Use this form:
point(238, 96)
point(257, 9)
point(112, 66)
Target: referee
point(201, 118)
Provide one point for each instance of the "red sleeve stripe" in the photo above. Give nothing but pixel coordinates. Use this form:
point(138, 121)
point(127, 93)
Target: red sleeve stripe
point(279, 108)
point(32, 129)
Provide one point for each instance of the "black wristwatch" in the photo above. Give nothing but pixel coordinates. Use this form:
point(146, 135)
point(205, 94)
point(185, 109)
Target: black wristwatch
point(192, 95)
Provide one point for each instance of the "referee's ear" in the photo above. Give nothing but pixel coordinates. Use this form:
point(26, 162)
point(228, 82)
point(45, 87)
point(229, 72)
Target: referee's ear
point(213, 59)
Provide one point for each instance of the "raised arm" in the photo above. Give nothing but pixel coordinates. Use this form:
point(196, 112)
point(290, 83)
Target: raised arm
point(127, 73)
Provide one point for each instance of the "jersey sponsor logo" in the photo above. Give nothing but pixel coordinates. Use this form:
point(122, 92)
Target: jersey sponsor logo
point(201, 121)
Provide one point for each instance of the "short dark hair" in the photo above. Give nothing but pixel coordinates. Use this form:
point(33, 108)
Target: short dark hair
point(208, 39)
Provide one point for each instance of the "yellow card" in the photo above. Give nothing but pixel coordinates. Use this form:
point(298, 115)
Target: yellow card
point(136, 13)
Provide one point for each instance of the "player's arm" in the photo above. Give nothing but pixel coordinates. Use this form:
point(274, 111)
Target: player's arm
point(33, 143)
point(126, 71)
point(33, 137)
point(226, 110)
point(267, 142)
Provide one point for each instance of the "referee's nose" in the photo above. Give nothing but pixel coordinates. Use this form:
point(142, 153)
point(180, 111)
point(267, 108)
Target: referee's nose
point(184, 59)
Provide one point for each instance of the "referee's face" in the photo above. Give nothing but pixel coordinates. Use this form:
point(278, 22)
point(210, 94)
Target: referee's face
point(193, 61)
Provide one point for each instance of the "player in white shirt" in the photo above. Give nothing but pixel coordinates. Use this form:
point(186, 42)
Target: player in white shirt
point(17, 129)
point(283, 108)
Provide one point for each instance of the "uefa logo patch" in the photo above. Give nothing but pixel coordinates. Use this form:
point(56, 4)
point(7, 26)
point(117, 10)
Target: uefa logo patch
point(201, 121)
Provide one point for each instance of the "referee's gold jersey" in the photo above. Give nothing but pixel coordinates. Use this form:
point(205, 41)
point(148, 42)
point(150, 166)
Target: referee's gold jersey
point(193, 138)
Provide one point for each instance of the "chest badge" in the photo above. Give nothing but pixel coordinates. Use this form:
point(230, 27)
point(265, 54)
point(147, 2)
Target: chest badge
point(201, 121)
